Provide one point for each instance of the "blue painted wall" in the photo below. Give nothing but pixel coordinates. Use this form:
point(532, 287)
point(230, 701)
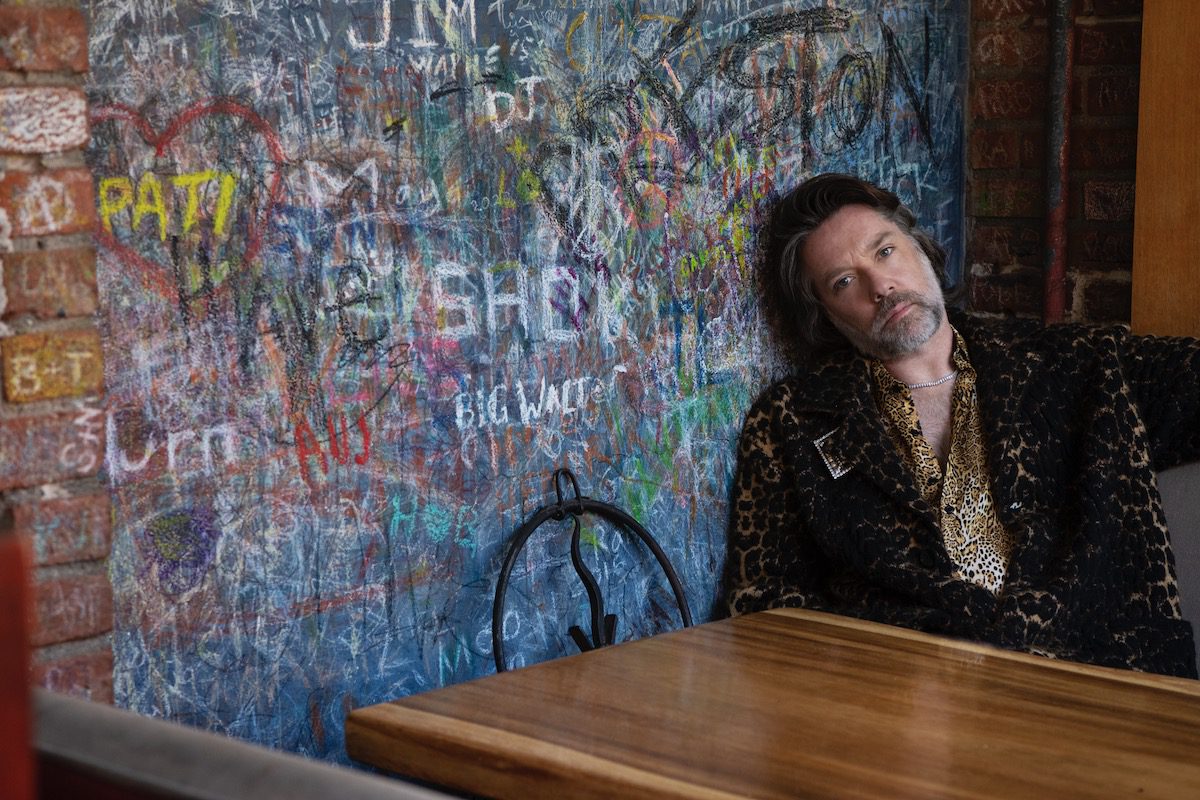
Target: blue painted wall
point(371, 270)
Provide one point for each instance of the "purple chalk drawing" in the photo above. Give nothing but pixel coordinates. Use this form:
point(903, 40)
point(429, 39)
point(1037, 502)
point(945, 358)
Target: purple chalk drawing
point(181, 545)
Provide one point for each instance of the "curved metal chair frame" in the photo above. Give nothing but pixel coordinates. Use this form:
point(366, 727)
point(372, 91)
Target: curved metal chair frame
point(604, 626)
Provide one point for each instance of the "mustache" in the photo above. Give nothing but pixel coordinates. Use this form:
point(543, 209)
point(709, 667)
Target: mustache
point(889, 303)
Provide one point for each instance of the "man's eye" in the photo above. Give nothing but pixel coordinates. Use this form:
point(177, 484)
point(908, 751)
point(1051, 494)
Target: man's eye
point(841, 283)
point(887, 251)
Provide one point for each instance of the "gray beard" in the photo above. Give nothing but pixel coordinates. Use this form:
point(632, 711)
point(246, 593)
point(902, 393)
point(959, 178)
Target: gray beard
point(905, 337)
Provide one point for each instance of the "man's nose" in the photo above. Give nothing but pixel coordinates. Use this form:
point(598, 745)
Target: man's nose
point(881, 286)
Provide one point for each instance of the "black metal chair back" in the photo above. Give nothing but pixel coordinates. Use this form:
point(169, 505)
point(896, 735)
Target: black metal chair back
point(604, 626)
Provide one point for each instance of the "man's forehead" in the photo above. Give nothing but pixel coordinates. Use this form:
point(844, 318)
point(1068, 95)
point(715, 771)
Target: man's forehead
point(857, 219)
point(850, 229)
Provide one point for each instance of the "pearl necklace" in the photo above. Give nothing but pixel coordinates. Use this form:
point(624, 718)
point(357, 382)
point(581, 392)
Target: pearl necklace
point(938, 382)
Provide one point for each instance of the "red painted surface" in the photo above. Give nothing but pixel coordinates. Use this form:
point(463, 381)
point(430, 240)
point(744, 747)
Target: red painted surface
point(58, 780)
point(16, 756)
point(1058, 166)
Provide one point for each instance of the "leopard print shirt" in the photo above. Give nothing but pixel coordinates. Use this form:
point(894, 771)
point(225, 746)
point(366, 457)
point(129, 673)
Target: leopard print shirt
point(975, 540)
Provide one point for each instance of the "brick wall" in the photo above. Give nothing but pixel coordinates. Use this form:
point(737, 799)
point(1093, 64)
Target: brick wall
point(51, 414)
point(1006, 179)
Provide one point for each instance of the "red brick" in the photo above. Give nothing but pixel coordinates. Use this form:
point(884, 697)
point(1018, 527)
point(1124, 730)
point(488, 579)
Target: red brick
point(1007, 198)
point(1106, 300)
point(86, 675)
point(50, 283)
point(995, 149)
point(1110, 201)
point(1017, 292)
point(73, 607)
point(1009, 99)
point(1033, 149)
point(1112, 244)
point(43, 39)
point(1112, 94)
point(45, 366)
point(50, 448)
point(1108, 43)
point(54, 201)
point(1104, 148)
point(998, 10)
point(62, 531)
point(1012, 47)
point(1008, 148)
point(1006, 244)
point(42, 119)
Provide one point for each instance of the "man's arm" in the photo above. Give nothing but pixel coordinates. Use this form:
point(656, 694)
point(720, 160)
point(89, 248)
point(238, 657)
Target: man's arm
point(1164, 375)
point(772, 560)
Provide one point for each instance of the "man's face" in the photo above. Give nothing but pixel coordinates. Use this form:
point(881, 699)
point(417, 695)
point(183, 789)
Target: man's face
point(874, 282)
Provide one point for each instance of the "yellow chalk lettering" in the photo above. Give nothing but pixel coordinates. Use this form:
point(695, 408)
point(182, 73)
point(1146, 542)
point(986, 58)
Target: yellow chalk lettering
point(224, 202)
point(501, 199)
point(150, 201)
point(192, 181)
point(77, 357)
point(23, 375)
point(115, 195)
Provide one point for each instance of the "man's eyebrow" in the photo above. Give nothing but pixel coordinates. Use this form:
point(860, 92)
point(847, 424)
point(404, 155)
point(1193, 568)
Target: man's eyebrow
point(878, 240)
point(883, 236)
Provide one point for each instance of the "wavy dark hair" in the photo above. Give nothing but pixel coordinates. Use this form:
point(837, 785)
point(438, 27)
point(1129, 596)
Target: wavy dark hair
point(793, 311)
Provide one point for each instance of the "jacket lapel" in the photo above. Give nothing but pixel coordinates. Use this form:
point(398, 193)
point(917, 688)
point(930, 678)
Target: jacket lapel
point(854, 438)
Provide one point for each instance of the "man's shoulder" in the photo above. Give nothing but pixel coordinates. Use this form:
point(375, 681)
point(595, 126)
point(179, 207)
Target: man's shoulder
point(780, 394)
point(825, 383)
point(1029, 335)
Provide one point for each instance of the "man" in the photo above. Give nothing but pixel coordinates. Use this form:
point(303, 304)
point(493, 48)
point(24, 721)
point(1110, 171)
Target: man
point(994, 481)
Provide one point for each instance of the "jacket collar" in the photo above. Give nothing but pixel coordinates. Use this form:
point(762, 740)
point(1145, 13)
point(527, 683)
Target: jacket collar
point(848, 430)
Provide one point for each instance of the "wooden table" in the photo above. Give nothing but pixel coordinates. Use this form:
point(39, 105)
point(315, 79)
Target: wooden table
point(796, 704)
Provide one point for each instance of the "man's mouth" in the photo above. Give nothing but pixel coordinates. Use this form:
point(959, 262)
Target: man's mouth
point(895, 313)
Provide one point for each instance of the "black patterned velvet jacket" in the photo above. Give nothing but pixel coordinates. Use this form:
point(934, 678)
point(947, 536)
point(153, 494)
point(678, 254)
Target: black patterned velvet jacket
point(824, 513)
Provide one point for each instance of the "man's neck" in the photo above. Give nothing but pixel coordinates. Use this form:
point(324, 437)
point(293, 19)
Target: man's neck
point(933, 361)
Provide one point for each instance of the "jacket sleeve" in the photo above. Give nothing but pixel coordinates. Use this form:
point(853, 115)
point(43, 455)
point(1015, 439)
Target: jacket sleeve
point(772, 560)
point(1164, 376)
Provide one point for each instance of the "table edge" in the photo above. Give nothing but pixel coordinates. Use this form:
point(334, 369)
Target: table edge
point(1171, 683)
point(486, 742)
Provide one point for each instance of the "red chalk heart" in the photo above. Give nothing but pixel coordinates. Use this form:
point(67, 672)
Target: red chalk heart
point(159, 276)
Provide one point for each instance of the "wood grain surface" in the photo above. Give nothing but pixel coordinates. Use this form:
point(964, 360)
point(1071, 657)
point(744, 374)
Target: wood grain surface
point(1166, 237)
point(792, 704)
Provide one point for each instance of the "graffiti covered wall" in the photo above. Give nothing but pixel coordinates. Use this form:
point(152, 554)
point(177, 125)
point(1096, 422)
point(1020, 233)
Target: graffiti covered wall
point(370, 270)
